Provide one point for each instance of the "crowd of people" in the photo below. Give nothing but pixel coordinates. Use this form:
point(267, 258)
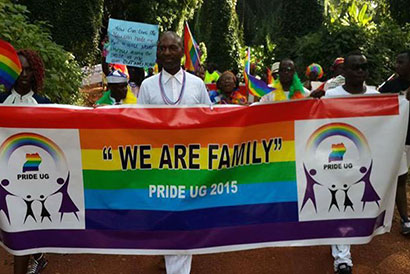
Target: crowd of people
point(174, 86)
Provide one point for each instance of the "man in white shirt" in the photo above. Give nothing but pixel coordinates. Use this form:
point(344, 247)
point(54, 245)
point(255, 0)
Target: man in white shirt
point(355, 72)
point(173, 86)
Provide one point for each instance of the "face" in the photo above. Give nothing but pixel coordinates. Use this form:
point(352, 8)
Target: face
point(356, 69)
point(286, 71)
point(118, 91)
point(227, 83)
point(403, 65)
point(170, 51)
point(26, 78)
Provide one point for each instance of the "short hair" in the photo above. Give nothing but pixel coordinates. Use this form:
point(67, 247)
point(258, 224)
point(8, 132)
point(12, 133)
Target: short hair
point(355, 52)
point(174, 34)
point(37, 65)
point(218, 82)
point(286, 60)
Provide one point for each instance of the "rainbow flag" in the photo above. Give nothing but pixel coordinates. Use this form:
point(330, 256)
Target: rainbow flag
point(10, 67)
point(192, 57)
point(255, 86)
point(33, 162)
point(338, 151)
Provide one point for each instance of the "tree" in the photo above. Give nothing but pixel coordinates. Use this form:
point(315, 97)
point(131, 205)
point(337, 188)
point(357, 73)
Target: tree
point(218, 26)
point(400, 11)
point(168, 14)
point(75, 24)
point(63, 74)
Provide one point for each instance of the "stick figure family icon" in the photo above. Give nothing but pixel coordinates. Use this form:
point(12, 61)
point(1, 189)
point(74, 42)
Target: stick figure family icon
point(338, 158)
point(34, 170)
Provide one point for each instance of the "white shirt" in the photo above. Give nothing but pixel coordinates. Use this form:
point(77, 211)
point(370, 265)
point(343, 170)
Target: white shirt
point(16, 99)
point(270, 97)
point(340, 91)
point(194, 93)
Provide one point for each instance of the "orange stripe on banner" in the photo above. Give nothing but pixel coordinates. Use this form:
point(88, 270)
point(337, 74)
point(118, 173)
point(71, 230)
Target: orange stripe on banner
point(97, 139)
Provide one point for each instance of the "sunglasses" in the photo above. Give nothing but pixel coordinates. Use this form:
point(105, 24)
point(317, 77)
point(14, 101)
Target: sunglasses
point(364, 67)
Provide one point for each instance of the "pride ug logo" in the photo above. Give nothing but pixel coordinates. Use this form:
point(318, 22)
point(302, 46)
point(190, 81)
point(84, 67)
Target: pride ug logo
point(337, 159)
point(34, 170)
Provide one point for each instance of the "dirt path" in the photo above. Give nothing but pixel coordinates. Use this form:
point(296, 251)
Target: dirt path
point(388, 253)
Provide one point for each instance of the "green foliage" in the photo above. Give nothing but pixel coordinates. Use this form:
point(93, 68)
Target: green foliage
point(75, 24)
point(349, 26)
point(168, 14)
point(63, 75)
point(296, 19)
point(217, 25)
point(400, 11)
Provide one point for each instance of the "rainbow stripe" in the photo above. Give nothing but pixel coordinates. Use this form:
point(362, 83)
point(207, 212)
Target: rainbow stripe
point(255, 86)
point(267, 189)
point(16, 141)
point(10, 67)
point(33, 162)
point(337, 129)
point(192, 58)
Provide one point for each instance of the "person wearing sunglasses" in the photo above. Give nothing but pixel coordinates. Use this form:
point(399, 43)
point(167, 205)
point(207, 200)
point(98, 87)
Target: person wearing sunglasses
point(288, 85)
point(355, 71)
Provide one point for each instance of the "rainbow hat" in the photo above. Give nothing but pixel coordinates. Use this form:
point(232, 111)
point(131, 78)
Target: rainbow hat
point(10, 67)
point(314, 68)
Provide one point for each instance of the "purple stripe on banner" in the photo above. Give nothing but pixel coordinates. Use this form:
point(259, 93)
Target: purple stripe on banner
point(192, 239)
point(150, 220)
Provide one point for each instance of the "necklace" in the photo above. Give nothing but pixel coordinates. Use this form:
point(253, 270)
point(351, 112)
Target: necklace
point(168, 101)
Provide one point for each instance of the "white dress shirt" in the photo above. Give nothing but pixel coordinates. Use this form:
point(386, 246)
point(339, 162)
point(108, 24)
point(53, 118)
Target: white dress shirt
point(194, 93)
point(16, 99)
point(340, 91)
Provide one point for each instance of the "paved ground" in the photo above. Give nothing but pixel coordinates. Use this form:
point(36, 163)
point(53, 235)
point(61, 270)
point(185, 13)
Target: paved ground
point(388, 253)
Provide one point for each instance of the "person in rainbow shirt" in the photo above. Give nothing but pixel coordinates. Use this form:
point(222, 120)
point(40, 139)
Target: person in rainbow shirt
point(288, 85)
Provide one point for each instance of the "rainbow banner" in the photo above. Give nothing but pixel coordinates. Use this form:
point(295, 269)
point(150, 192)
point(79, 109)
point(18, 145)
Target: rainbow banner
point(192, 180)
point(192, 57)
point(10, 67)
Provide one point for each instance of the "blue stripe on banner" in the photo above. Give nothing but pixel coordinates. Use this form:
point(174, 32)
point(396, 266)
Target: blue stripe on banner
point(229, 216)
point(138, 199)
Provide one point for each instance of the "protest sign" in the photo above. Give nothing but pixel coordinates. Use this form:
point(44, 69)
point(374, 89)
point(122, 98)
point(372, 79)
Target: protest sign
point(131, 43)
point(173, 180)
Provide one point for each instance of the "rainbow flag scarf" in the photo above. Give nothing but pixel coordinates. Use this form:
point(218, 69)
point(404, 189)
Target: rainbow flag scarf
point(255, 86)
point(10, 67)
point(192, 57)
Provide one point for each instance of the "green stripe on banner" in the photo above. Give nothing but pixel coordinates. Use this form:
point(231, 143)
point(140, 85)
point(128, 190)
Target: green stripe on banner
point(273, 172)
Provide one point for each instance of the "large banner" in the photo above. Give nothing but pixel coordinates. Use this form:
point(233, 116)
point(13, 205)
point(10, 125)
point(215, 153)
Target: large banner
point(191, 180)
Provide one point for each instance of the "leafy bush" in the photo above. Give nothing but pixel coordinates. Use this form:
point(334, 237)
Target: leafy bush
point(63, 74)
point(75, 24)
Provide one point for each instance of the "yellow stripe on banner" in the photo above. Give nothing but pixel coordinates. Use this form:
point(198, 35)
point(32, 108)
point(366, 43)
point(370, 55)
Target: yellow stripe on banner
point(93, 159)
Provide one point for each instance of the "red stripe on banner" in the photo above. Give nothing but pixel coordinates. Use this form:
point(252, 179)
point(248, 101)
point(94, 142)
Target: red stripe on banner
point(203, 117)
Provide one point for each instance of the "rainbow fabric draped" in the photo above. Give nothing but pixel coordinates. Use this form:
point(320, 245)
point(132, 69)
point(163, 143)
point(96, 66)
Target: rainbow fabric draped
point(10, 67)
point(255, 86)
